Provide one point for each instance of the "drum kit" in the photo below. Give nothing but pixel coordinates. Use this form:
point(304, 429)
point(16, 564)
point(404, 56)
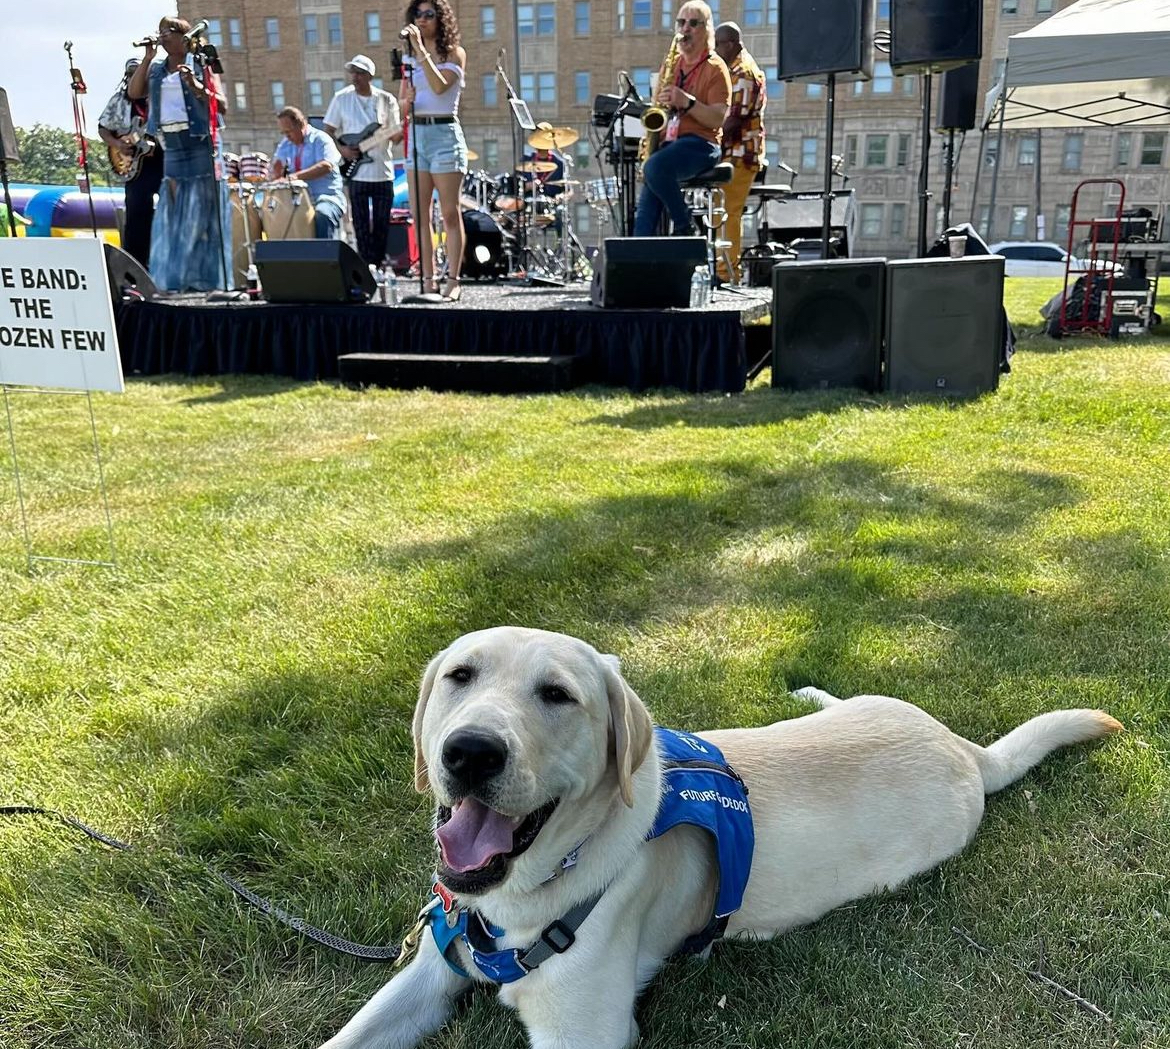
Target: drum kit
point(531, 207)
point(275, 209)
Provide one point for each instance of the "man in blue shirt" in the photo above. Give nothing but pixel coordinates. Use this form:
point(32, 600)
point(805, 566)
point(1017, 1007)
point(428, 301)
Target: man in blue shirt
point(311, 155)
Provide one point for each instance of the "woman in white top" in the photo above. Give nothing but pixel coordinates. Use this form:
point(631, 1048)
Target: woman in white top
point(434, 67)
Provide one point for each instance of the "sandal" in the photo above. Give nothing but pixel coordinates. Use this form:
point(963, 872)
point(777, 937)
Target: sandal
point(452, 289)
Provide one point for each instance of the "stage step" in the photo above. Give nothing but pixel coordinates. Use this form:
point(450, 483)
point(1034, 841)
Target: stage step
point(440, 371)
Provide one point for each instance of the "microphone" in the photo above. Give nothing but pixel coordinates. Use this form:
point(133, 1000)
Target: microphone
point(146, 41)
point(630, 88)
point(199, 27)
point(404, 33)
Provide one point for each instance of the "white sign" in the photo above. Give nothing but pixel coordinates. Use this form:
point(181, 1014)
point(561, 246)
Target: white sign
point(56, 317)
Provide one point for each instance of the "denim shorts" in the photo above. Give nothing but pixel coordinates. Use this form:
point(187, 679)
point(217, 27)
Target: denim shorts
point(442, 149)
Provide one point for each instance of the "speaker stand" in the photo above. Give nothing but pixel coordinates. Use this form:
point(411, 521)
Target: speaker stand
point(924, 168)
point(827, 212)
point(949, 171)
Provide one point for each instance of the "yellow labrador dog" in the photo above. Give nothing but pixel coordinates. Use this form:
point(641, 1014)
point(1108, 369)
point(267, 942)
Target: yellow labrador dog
point(548, 776)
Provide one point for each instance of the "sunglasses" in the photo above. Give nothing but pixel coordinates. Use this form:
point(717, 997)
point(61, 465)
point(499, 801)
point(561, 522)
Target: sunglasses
point(425, 16)
point(694, 23)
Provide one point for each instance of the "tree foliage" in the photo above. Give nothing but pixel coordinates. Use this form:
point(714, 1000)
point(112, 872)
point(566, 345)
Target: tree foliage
point(49, 156)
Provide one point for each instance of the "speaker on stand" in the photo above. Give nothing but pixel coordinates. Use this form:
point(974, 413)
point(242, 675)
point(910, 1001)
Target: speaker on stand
point(957, 97)
point(826, 38)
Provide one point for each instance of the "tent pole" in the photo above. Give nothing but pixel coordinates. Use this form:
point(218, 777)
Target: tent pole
point(1038, 222)
point(975, 180)
point(998, 154)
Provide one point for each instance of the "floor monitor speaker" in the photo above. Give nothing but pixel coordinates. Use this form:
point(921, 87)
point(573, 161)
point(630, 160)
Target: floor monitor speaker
point(818, 37)
point(958, 95)
point(827, 323)
point(312, 271)
point(646, 272)
point(944, 325)
point(128, 279)
point(935, 34)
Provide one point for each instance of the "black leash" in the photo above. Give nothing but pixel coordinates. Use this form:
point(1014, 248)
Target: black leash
point(326, 939)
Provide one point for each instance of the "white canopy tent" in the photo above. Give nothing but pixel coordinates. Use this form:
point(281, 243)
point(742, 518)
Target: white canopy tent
point(1103, 63)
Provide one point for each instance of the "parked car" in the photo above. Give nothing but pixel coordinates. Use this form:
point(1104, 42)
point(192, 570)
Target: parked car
point(1038, 258)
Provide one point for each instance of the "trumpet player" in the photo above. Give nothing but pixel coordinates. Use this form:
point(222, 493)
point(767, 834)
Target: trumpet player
point(695, 90)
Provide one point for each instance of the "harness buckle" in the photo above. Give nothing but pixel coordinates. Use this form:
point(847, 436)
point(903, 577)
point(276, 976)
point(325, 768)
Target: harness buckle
point(558, 937)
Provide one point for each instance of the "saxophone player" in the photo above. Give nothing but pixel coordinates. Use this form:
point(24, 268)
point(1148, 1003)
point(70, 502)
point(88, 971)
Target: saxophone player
point(696, 93)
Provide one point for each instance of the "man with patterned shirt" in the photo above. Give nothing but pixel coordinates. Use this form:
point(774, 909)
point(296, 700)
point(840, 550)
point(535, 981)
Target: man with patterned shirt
point(743, 134)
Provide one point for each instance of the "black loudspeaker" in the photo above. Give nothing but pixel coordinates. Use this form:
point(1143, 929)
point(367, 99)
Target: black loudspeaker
point(827, 323)
point(128, 280)
point(958, 95)
point(935, 34)
point(8, 147)
point(483, 247)
point(944, 325)
point(818, 37)
point(646, 272)
point(312, 271)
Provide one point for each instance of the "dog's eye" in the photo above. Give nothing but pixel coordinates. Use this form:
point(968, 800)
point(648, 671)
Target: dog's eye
point(554, 694)
point(460, 675)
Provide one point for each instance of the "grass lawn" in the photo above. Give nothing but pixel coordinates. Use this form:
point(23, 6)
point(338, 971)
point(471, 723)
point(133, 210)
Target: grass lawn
point(289, 556)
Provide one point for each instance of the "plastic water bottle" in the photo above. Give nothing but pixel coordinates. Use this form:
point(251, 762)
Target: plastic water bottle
point(252, 281)
point(698, 280)
point(706, 284)
point(391, 285)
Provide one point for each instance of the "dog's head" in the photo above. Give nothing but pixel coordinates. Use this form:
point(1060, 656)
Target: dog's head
point(514, 729)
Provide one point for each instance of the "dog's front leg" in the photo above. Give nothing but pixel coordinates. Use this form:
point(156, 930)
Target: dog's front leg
point(414, 1004)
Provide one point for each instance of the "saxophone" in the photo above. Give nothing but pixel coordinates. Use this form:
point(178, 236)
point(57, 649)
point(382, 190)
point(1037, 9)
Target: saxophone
point(654, 117)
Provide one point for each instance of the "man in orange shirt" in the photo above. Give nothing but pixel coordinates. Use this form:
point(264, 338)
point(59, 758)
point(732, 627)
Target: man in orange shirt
point(697, 98)
point(743, 134)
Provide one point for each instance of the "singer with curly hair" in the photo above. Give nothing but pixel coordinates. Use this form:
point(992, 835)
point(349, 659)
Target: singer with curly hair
point(433, 80)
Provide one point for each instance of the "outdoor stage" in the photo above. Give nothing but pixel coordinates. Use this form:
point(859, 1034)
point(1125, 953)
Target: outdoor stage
point(696, 350)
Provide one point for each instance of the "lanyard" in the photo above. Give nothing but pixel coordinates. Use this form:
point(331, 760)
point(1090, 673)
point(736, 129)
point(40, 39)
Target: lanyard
point(684, 77)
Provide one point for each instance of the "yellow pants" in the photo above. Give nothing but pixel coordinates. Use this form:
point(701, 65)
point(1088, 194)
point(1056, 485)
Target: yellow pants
point(735, 195)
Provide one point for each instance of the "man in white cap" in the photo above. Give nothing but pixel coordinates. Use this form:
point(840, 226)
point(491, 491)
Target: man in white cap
point(365, 120)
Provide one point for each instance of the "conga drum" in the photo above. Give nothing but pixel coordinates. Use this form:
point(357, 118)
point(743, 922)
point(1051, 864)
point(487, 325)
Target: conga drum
point(286, 210)
point(253, 167)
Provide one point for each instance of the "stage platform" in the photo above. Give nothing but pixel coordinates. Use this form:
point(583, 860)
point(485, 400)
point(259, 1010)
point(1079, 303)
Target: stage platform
point(697, 350)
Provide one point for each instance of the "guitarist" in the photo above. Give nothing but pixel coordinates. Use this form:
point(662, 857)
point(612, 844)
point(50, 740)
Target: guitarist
point(353, 112)
point(121, 129)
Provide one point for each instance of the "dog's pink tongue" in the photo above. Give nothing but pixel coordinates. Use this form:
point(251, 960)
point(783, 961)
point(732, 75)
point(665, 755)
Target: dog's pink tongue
point(474, 834)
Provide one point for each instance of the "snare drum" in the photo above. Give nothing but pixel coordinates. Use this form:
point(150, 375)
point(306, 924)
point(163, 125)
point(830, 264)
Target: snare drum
point(286, 210)
point(254, 167)
point(544, 213)
point(509, 193)
point(231, 167)
point(246, 230)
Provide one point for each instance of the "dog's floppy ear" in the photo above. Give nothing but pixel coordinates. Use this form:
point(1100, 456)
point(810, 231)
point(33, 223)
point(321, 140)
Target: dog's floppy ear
point(421, 780)
point(631, 725)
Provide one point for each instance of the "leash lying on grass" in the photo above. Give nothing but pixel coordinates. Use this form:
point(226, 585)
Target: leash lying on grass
point(326, 939)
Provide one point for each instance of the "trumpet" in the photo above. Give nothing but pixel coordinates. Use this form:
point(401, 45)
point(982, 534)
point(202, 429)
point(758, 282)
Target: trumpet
point(654, 117)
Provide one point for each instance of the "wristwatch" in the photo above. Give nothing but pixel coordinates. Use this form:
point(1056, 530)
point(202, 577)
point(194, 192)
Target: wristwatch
point(691, 104)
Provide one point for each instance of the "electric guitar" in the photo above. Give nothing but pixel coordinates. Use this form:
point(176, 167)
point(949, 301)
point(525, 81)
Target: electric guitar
point(126, 167)
point(369, 138)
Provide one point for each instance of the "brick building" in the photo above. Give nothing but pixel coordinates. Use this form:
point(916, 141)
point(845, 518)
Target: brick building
point(293, 52)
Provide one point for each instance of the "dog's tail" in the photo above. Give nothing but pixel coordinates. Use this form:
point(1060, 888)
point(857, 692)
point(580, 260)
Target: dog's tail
point(1007, 759)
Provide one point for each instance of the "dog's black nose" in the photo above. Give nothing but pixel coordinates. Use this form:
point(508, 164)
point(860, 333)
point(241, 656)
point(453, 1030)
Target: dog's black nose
point(474, 757)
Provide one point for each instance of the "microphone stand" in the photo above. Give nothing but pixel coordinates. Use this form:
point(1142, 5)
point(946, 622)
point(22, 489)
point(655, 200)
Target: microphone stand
point(207, 63)
point(424, 297)
point(517, 137)
point(623, 170)
point(77, 85)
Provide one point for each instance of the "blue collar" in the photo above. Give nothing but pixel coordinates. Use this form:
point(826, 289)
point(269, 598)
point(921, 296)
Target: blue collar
point(699, 788)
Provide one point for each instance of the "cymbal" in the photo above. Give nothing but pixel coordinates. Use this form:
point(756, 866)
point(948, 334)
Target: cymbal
point(547, 137)
point(536, 167)
point(472, 155)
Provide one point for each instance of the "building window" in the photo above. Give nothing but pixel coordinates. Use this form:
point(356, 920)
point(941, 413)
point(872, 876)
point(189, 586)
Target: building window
point(491, 152)
point(241, 95)
point(621, 16)
point(1124, 149)
point(991, 152)
point(1019, 226)
point(373, 27)
point(235, 37)
point(1153, 143)
point(883, 9)
point(858, 88)
point(337, 85)
point(640, 75)
point(1043, 7)
point(851, 151)
point(1060, 223)
point(215, 31)
point(753, 12)
point(581, 94)
point(812, 90)
point(278, 95)
point(667, 16)
point(1074, 149)
point(714, 5)
point(774, 86)
point(581, 17)
point(581, 218)
point(546, 88)
point(312, 35)
point(1009, 7)
point(272, 31)
point(984, 220)
point(773, 12)
point(643, 14)
point(490, 94)
point(871, 220)
point(883, 79)
point(897, 220)
point(909, 85)
point(876, 148)
point(316, 97)
point(526, 20)
point(1026, 151)
point(584, 154)
point(903, 157)
point(808, 153)
point(333, 24)
point(487, 22)
point(546, 19)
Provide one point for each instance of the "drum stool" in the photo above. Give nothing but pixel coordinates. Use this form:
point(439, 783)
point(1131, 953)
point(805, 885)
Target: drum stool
point(705, 199)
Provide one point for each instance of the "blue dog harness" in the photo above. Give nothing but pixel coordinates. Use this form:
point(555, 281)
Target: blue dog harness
point(699, 788)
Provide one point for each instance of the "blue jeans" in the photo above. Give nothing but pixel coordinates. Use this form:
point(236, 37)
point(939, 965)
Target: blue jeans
point(669, 165)
point(327, 219)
